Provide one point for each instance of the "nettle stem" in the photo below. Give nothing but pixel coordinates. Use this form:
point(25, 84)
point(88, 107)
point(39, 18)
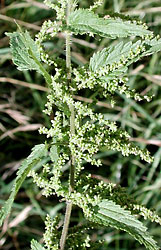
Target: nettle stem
point(72, 132)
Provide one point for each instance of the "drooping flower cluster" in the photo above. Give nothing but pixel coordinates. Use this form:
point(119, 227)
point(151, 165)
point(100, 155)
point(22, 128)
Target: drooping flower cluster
point(48, 30)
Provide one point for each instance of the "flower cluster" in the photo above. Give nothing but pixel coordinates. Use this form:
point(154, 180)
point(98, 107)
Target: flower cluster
point(77, 236)
point(52, 235)
point(48, 30)
point(96, 4)
point(51, 182)
point(59, 7)
point(146, 213)
point(110, 77)
point(80, 133)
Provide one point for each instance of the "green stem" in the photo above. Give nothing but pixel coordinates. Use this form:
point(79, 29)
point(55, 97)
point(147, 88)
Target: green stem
point(42, 70)
point(66, 225)
point(72, 132)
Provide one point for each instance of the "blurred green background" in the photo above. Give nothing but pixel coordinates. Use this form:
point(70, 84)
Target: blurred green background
point(22, 99)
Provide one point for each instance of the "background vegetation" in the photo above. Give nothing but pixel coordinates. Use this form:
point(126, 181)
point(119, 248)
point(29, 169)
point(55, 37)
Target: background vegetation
point(22, 99)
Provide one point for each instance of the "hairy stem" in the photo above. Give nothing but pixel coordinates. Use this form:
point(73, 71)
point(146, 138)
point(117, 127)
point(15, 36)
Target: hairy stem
point(72, 132)
point(66, 225)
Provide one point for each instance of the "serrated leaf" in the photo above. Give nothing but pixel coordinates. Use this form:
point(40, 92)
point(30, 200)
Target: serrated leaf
point(25, 53)
point(54, 154)
point(21, 44)
point(84, 21)
point(108, 213)
point(36, 246)
point(38, 152)
point(113, 54)
point(155, 46)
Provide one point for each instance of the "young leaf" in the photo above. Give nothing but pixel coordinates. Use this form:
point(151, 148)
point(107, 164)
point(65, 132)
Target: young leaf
point(84, 21)
point(25, 53)
point(38, 152)
point(36, 246)
point(108, 213)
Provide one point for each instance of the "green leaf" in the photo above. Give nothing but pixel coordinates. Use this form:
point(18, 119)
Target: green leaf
point(114, 54)
point(108, 213)
point(38, 152)
point(36, 246)
point(21, 44)
point(84, 21)
point(155, 46)
point(124, 54)
point(54, 154)
point(25, 53)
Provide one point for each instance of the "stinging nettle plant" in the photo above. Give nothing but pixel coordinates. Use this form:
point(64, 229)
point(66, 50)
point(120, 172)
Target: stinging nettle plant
point(77, 132)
